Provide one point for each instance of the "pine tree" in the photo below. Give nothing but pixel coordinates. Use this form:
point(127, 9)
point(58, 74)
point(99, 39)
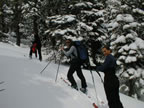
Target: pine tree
point(85, 21)
point(128, 47)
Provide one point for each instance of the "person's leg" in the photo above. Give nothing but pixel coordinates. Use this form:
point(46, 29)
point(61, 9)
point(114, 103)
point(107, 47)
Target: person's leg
point(112, 94)
point(30, 53)
point(36, 53)
point(117, 97)
point(81, 76)
point(108, 95)
point(39, 52)
point(70, 76)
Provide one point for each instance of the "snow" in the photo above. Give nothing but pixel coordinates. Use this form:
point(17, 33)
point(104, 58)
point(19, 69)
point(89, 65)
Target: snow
point(60, 32)
point(25, 87)
point(132, 52)
point(137, 10)
point(25, 6)
point(100, 13)
point(142, 91)
point(131, 25)
point(131, 71)
point(125, 17)
point(122, 57)
point(125, 75)
point(120, 39)
point(140, 43)
point(61, 19)
point(133, 46)
point(112, 25)
point(129, 36)
point(80, 4)
point(7, 9)
point(130, 59)
point(86, 4)
point(142, 83)
point(113, 2)
point(84, 26)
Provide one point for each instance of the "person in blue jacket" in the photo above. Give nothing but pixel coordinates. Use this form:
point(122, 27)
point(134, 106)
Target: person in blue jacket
point(111, 82)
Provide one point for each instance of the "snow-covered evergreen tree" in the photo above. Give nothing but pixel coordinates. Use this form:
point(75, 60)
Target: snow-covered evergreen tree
point(85, 21)
point(6, 15)
point(128, 47)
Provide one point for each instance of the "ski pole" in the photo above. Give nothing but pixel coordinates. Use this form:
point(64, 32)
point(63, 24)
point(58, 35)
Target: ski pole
point(46, 66)
point(94, 86)
point(59, 62)
point(100, 76)
point(48, 63)
point(93, 80)
point(58, 68)
point(57, 71)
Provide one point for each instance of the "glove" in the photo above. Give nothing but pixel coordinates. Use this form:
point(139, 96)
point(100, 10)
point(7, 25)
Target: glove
point(93, 67)
point(97, 64)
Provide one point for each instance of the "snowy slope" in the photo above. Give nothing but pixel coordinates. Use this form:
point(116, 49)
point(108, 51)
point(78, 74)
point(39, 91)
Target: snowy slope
point(25, 87)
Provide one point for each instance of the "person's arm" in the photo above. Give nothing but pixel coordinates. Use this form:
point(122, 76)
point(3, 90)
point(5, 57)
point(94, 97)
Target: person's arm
point(69, 52)
point(105, 65)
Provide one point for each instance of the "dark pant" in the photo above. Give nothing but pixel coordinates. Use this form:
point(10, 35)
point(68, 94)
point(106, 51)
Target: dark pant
point(76, 66)
point(111, 86)
point(30, 54)
point(39, 52)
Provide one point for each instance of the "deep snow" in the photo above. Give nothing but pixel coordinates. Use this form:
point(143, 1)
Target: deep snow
point(25, 87)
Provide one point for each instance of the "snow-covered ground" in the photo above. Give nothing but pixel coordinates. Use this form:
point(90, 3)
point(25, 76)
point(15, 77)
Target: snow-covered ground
point(25, 87)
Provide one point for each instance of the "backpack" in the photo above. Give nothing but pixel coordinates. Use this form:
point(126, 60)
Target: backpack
point(81, 51)
point(34, 47)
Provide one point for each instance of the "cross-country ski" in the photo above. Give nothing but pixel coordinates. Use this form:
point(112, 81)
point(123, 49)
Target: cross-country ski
point(2, 90)
point(1, 82)
point(88, 96)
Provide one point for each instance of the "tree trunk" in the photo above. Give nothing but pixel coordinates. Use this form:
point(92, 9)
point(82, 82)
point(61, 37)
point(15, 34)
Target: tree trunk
point(18, 42)
point(131, 87)
point(17, 21)
point(35, 26)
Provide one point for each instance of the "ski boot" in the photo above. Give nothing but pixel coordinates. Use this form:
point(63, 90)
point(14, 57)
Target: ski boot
point(74, 87)
point(84, 90)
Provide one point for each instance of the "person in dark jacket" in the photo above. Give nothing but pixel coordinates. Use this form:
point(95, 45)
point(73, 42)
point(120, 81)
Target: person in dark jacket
point(38, 47)
point(75, 65)
point(111, 82)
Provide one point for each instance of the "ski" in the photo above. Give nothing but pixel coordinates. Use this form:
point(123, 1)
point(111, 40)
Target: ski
point(2, 90)
point(1, 82)
point(66, 82)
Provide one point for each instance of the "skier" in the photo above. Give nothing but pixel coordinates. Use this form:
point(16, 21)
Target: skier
point(38, 46)
point(111, 82)
point(75, 65)
point(33, 49)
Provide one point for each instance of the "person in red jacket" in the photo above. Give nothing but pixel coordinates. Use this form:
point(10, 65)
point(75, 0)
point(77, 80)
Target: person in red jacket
point(36, 47)
point(33, 49)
